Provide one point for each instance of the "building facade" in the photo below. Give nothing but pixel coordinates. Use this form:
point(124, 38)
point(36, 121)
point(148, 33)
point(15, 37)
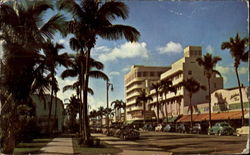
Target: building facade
point(42, 113)
point(139, 77)
point(184, 68)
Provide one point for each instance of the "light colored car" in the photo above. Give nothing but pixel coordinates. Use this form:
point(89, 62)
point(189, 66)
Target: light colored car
point(242, 131)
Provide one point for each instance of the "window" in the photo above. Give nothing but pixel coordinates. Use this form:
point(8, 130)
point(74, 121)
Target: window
point(151, 73)
point(144, 74)
point(189, 72)
point(159, 74)
point(206, 97)
point(214, 85)
point(138, 74)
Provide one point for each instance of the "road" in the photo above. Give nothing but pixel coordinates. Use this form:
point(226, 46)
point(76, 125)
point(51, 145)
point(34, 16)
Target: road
point(176, 143)
point(193, 143)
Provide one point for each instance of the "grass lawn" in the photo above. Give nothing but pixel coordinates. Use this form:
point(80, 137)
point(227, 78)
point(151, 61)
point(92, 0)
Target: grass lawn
point(32, 147)
point(102, 149)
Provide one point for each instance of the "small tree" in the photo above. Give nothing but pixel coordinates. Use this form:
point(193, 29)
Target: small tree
point(142, 99)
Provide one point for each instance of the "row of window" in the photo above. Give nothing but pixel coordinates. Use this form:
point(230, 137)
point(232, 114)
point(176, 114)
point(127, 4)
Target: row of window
point(143, 74)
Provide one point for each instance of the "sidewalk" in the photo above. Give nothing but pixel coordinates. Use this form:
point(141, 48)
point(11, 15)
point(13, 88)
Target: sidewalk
point(130, 147)
point(58, 146)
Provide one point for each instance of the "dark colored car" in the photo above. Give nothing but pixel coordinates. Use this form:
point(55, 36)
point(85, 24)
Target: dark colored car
point(169, 128)
point(221, 128)
point(181, 128)
point(129, 134)
point(196, 128)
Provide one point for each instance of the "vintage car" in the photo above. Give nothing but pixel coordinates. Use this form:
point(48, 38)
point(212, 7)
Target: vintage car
point(169, 128)
point(158, 128)
point(244, 130)
point(196, 128)
point(221, 128)
point(181, 128)
point(128, 134)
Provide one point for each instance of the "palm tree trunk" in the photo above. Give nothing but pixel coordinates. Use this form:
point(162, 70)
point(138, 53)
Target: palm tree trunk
point(191, 107)
point(50, 109)
point(241, 100)
point(144, 110)
point(85, 100)
point(157, 108)
point(209, 103)
point(56, 109)
point(166, 108)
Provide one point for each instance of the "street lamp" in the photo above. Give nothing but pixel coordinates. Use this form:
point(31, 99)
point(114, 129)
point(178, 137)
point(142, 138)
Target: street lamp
point(109, 85)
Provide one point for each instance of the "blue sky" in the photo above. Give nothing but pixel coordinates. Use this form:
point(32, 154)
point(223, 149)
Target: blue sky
point(166, 28)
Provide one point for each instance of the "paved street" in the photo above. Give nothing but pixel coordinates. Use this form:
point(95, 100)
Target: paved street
point(160, 143)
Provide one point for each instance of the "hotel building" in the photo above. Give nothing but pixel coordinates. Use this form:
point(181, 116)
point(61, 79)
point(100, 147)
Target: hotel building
point(139, 77)
point(176, 104)
point(184, 68)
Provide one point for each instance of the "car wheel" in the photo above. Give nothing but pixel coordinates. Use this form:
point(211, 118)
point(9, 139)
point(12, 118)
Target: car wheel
point(219, 133)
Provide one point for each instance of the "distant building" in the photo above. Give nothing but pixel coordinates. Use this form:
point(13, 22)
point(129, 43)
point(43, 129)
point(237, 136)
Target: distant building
point(139, 77)
point(42, 112)
point(229, 99)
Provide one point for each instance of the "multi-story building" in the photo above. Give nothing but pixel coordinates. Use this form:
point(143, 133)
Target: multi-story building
point(182, 69)
point(139, 77)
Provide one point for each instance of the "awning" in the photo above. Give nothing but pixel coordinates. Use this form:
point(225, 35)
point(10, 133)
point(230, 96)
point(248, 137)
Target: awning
point(214, 116)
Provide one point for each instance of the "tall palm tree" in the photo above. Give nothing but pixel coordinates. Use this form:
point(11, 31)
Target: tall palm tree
point(92, 19)
point(209, 62)
point(237, 47)
point(192, 86)
point(119, 104)
point(142, 99)
point(166, 86)
point(75, 69)
point(156, 87)
point(23, 39)
point(52, 59)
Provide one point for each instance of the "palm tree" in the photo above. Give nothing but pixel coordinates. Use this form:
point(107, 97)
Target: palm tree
point(72, 110)
point(237, 47)
point(156, 87)
point(75, 69)
point(209, 62)
point(192, 86)
point(92, 19)
point(119, 104)
point(52, 59)
point(100, 112)
point(166, 86)
point(23, 39)
point(142, 99)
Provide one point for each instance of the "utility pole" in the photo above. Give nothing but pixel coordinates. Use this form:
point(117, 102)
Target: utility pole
point(108, 85)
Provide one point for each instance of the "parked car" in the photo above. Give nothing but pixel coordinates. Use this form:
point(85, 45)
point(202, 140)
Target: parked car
point(221, 128)
point(244, 130)
point(196, 128)
point(181, 128)
point(158, 128)
point(169, 128)
point(129, 134)
point(148, 127)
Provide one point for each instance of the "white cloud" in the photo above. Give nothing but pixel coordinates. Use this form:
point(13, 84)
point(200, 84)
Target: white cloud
point(126, 50)
point(95, 104)
point(114, 73)
point(224, 70)
point(63, 83)
point(209, 49)
point(175, 12)
point(243, 70)
point(171, 47)
point(126, 69)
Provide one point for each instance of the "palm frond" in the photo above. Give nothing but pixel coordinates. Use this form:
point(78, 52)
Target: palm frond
point(70, 6)
point(98, 75)
point(115, 32)
point(68, 73)
point(111, 10)
point(54, 24)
